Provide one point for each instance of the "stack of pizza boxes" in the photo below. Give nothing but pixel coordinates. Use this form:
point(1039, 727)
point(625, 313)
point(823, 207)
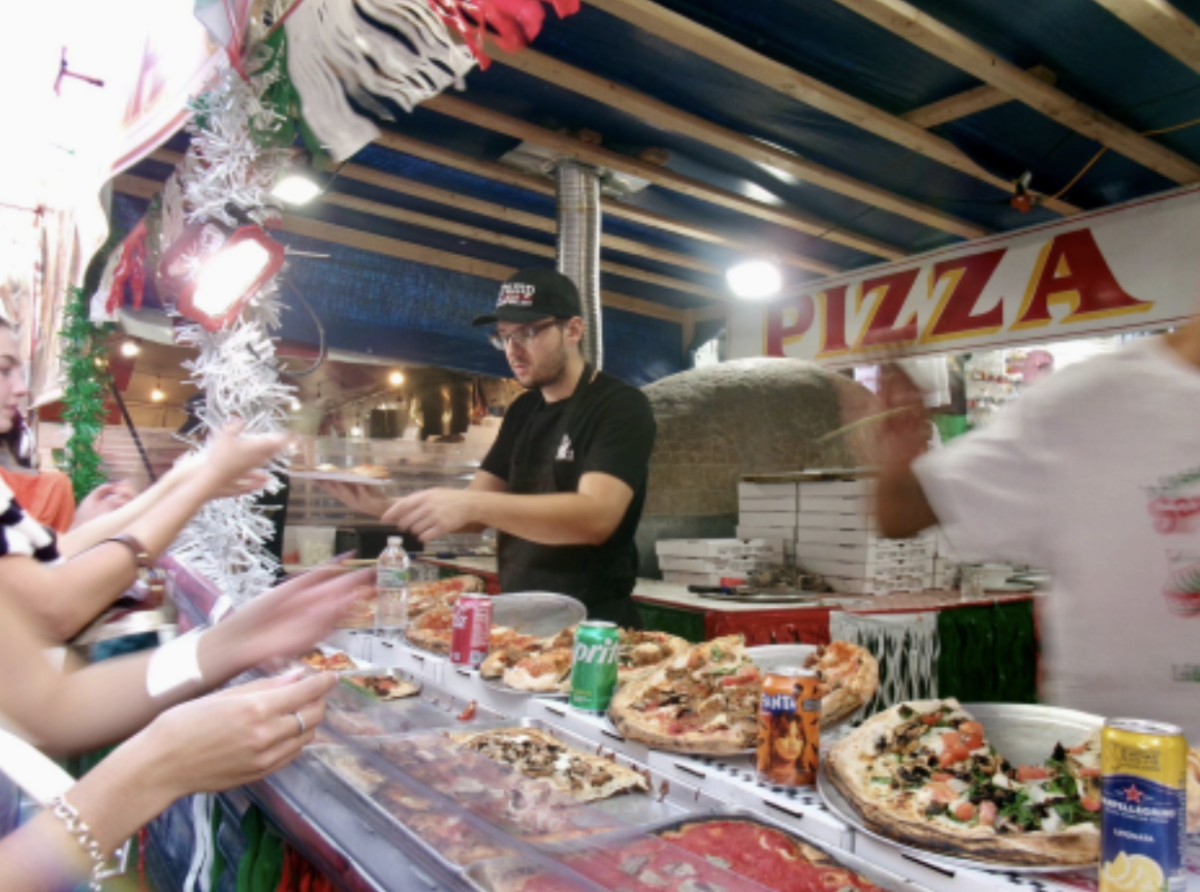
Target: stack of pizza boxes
point(716, 561)
point(768, 510)
point(836, 536)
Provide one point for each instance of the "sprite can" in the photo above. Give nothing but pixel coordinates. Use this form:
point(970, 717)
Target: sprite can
point(594, 671)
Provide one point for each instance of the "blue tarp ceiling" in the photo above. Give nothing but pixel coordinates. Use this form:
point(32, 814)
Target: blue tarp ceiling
point(1095, 57)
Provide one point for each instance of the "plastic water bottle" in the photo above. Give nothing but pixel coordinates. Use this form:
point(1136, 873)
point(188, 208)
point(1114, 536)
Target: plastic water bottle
point(391, 590)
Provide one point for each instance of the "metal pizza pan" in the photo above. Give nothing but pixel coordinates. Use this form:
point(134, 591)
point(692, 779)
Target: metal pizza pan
point(1024, 733)
point(537, 613)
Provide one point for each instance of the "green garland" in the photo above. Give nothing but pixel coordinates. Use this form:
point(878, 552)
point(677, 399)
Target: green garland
point(87, 384)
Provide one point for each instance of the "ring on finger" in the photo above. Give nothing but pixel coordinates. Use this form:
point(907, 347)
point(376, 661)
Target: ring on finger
point(300, 719)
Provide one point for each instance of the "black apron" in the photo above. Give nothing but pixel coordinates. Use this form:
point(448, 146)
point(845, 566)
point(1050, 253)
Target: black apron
point(582, 571)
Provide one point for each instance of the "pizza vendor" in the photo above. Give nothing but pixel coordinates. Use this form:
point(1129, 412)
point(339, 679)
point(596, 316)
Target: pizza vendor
point(1093, 475)
point(565, 481)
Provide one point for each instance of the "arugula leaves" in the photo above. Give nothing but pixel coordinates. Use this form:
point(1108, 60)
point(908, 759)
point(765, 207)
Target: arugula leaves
point(1022, 811)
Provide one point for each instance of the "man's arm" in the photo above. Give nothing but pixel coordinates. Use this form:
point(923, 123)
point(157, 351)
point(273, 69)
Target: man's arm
point(902, 508)
point(587, 517)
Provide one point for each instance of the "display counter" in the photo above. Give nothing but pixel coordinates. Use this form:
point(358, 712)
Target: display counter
point(384, 800)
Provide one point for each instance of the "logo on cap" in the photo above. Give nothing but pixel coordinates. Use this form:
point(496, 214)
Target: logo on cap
point(516, 294)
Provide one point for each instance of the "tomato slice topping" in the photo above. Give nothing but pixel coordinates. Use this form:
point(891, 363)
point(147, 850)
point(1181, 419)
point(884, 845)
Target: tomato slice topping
point(942, 777)
point(1089, 772)
point(1092, 805)
point(971, 728)
point(941, 793)
point(964, 811)
point(973, 741)
point(951, 739)
point(987, 813)
point(1031, 772)
point(931, 718)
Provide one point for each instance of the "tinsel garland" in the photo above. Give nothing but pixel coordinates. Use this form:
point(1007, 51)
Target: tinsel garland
point(233, 158)
point(87, 384)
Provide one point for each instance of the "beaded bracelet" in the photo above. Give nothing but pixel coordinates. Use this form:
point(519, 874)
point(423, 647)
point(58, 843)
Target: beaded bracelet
point(76, 826)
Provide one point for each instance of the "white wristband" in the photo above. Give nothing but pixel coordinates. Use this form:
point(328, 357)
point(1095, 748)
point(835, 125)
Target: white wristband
point(174, 665)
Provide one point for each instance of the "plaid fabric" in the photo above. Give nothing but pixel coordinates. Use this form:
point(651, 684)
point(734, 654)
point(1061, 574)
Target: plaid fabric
point(21, 534)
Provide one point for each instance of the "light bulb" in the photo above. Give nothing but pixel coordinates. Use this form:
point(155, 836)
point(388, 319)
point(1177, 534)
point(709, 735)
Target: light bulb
point(130, 349)
point(228, 276)
point(295, 405)
point(755, 279)
point(396, 379)
point(356, 431)
point(157, 395)
point(296, 188)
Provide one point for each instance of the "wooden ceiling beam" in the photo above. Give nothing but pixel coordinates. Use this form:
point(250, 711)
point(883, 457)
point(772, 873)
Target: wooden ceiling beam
point(1163, 25)
point(378, 244)
point(499, 212)
point(969, 102)
point(666, 116)
point(569, 146)
point(491, 237)
point(926, 32)
point(704, 42)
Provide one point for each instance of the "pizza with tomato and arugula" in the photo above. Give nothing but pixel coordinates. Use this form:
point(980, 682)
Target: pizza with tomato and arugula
point(924, 774)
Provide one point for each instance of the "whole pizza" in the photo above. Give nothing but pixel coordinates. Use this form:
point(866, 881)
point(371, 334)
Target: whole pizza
point(422, 597)
point(924, 774)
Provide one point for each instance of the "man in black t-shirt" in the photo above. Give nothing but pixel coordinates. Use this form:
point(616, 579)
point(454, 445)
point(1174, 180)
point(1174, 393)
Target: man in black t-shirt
point(565, 482)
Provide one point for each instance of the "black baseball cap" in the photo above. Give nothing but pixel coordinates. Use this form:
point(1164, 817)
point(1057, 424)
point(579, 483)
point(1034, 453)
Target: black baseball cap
point(533, 294)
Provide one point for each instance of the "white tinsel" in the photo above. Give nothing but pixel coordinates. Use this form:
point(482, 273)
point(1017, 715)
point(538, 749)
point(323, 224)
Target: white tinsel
point(236, 368)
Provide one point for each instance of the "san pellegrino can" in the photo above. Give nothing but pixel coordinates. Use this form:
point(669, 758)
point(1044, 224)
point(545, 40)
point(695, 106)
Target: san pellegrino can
point(1143, 806)
point(594, 670)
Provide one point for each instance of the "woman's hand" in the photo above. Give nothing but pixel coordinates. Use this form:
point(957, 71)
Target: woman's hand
point(233, 461)
point(233, 737)
point(285, 621)
point(104, 499)
point(359, 496)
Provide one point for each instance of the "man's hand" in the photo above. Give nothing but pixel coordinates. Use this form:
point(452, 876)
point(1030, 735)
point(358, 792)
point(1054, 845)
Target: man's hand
point(434, 512)
point(359, 496)
point(904, 434)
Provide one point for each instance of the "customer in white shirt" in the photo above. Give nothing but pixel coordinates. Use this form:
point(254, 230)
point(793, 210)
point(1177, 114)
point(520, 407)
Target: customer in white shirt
point(1093, 475)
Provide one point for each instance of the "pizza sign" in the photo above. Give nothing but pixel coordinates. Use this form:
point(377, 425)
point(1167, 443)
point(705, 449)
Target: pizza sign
point(1129, 268)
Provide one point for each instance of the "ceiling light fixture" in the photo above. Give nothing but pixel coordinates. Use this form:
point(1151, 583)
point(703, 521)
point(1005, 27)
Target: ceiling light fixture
point(130, 349)
point(157, 395)
point(396, 379)
point(356, 431)
point(755, 279)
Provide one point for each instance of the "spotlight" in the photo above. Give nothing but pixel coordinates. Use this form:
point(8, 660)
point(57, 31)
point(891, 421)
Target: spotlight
point(130, 349)
point(755, 279)
point(157, 395)
point(396, 379)
point(356, 431)
point(296, 188)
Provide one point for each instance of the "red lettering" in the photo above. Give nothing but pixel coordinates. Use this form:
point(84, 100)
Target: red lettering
point(788, 321)
point(1071, 270)
point(955, 315)
point(893, 291)
point(833, 322)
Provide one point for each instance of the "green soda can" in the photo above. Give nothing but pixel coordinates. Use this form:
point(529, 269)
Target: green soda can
point(594, 671)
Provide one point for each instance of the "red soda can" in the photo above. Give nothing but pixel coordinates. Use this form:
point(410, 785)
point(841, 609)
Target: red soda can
point(472, 630)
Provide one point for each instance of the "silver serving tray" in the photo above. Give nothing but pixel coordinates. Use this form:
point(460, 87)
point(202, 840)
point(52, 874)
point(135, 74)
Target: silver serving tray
point(499, 686)
point(763, 597)
point(1024, 734)
point(769, 657)
point(433, 708)
point(537, 613)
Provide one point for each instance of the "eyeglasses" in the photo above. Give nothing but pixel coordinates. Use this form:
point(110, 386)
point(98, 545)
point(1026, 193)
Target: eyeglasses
point(522, 337)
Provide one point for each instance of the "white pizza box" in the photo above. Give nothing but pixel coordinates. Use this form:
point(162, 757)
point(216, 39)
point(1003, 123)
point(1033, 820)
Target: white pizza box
point(847, 586)
point(824, 520)
point(755, 517)
point(928, 872)
point(596, 728)
point(736, 566)
point(466, 683)
point(825, 488)
point(775, 533)
point(748, 490)
point(734, 778)
point(890, 569)
point(836, 504)
point(784, 504)
point(748, 546)
point(877, 551)
point(834, 536)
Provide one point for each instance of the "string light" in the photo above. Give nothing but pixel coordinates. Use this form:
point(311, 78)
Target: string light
point(130, 349)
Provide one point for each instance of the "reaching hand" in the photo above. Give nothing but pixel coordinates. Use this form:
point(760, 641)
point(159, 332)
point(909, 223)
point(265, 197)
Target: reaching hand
point(359, 496)
point(233, 737)
point(233, 460)
point(104, 499)
point(905, 433)
point(292, 617)
point(434, 512)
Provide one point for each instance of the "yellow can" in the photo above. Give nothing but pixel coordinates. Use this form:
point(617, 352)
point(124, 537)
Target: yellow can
point(1143, 806)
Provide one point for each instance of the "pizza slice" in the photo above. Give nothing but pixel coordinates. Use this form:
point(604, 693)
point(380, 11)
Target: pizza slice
point(383, 687)
point(924, 774)
point(703, 700)
point(540, 672)
point(849, 675)
point(537, 754)
point(641, 651)
point(332, 662)
point(432, 630)
point(350, 768)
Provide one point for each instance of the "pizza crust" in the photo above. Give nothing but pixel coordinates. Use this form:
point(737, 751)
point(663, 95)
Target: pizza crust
point(853, 673)
point(1193, 791)
point(1078, 845)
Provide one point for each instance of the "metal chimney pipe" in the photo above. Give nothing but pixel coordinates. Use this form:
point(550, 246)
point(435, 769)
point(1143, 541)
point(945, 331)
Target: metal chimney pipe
point(579, 247)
